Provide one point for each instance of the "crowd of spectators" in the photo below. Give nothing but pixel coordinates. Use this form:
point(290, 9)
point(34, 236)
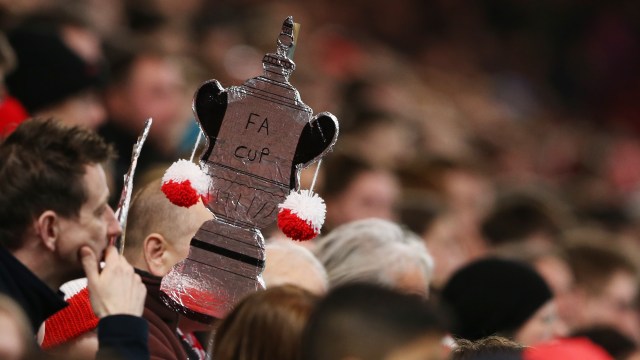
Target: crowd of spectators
point(496, 143)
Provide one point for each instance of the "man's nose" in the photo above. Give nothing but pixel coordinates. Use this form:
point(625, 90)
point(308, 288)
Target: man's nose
point(114, 228)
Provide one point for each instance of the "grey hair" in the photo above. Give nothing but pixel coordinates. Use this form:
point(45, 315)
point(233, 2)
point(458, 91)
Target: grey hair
point(372, 250)
point(288, 263)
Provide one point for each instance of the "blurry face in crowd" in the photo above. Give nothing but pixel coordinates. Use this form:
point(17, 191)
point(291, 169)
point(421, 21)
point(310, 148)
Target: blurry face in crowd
point(155, 88)
point(615, 306)
point(443, 244)
point(93, 226)
point(544, 325)
point(558, 275)
point(468, 193)
point(428, 347)
point(372, 194)
point(84, 109)
point(386, 144)
point(470, 197)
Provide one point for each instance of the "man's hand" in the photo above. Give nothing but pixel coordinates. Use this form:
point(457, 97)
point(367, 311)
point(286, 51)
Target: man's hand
point(117, 289)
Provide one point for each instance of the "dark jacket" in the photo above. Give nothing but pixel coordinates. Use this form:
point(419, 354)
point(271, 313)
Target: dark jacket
point(164, 341)
point(119, 336)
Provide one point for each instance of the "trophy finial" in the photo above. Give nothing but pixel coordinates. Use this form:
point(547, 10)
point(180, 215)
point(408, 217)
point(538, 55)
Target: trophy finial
point(279, 64)
point(285, 39)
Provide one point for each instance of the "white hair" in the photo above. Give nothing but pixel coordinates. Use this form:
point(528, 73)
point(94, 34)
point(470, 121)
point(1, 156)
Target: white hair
point(372, 250)
point(290, 263)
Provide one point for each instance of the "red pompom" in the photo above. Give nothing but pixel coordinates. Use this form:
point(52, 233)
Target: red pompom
point(301, 215)
point(184, 183)
point(294, 227)
point(180, 193)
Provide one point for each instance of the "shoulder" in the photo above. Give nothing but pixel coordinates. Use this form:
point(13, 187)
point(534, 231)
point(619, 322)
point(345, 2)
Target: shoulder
point(163, 340)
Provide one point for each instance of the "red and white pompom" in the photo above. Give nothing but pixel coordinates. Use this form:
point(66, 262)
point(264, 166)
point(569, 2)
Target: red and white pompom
point(184, 183)
point(301, 215)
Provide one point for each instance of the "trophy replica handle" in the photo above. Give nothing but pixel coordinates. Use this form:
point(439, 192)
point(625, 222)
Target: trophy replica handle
point(317, 138)
point(209, 106)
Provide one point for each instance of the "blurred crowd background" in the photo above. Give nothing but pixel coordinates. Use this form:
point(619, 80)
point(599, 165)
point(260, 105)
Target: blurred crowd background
point(485, 126)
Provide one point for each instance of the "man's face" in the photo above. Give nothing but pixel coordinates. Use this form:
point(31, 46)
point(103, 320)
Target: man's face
point(94, 225)
point(156, 89)
point(372, 194)
point(543, 325)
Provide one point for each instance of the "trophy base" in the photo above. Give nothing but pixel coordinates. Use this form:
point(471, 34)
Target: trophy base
point(224, 265)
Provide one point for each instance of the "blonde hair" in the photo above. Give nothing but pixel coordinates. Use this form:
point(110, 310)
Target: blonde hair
point(152, 212)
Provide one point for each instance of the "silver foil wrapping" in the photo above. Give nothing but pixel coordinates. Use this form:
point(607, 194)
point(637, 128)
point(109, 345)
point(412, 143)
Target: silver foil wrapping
point(259, 136)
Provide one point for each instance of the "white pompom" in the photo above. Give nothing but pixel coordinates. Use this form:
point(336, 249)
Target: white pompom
point(308, 206)
point(183, 170)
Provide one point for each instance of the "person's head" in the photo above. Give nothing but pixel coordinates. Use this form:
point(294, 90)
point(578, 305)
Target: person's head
point(367, 322)
point(147, 82)
point(381, 138)
point(551, 263)
point(60, 68)
point(290, 263)
point(54, 197)
point(265, 325)
point(355, 190)
point(377, 251)
point(494, 296)
point(606, 287)
point(467, 192)
point(488, 348)
point(15, 332)
point(158, 232)
point(462, 183)
point(157, 237)
point(522, 217)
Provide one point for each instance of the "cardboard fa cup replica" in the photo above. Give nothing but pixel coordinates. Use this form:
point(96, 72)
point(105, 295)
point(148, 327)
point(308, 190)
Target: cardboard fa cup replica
point(259, 136)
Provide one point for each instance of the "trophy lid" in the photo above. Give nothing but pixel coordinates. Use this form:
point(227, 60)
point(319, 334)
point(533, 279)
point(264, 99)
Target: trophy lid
point(279, 63)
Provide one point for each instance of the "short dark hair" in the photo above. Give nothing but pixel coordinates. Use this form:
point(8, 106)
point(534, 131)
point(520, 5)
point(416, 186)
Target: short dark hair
point(368, 321)
point(491, 347)
point(594, 264)
point(519, 215)
point(41, 168)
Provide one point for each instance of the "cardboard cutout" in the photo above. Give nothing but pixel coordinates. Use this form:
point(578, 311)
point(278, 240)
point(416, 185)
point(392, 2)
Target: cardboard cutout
point(259, 136)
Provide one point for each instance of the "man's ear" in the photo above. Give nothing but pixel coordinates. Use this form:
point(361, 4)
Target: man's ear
point(47, 227)
point(154, 250)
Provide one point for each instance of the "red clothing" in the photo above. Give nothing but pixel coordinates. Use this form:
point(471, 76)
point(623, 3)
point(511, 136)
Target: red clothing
point(12, 113)
point(165, 341)
point(566, 349)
